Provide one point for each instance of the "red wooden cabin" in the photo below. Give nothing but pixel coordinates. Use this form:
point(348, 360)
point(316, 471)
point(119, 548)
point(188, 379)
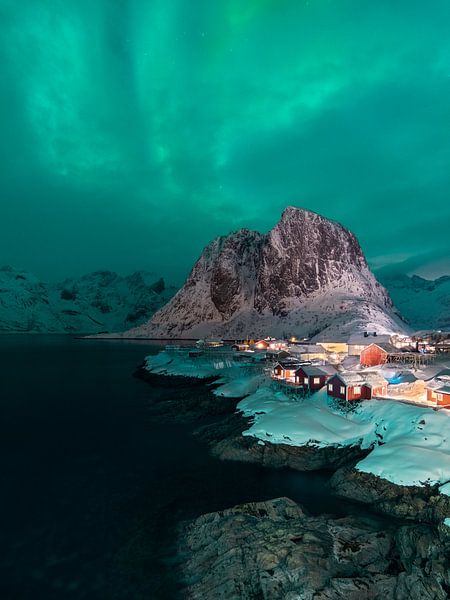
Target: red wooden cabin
point(356, 386)
point(375, 354)
point(311, 378)
point(438, 389)
point(285, 369)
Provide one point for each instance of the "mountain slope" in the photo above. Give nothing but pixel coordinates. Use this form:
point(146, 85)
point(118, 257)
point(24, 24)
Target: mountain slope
point(306, 277)
point(100, 301)
point(424, 303)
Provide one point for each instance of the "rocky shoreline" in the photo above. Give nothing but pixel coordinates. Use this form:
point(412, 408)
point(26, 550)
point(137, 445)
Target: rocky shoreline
point(407, 561)
point(275, 550)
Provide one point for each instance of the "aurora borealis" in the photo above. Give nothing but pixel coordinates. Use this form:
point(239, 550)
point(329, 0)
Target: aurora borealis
point(135, 131)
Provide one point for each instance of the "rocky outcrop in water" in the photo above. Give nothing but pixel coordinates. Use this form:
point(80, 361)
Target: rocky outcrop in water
point(405, 502)
point(273, 550)
point(226, 442)
point(307, 275)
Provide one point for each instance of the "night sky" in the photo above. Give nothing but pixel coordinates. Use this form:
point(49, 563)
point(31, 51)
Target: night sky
point(133, 132)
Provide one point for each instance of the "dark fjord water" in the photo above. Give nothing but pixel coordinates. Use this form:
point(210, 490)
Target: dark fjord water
point(91, 488)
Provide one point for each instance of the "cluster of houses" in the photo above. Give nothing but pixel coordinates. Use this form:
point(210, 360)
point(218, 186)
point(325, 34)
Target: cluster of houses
point(355, 369)
point(346, 385)
point(310, 367)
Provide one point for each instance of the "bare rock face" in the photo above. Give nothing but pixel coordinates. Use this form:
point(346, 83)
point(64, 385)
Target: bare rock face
point(308, 274)
point(273, 550)
point(404, 502)
point(226, 442)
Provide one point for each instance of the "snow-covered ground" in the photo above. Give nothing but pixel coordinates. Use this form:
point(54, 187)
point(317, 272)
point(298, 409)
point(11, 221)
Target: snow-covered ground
point(411, 444)
point(100, 301)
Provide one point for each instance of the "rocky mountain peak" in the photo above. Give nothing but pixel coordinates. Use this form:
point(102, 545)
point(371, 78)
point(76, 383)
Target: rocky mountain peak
point(306, 273)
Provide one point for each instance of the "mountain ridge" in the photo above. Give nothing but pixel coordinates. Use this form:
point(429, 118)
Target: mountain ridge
point(306, 276)
point(96, 302)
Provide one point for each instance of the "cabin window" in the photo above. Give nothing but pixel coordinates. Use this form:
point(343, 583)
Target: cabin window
point(305, 380)
point(357, 389)
point(330, 387)
point(433, 395)
point(438, 397)
point(317, 380)
point(342, 389)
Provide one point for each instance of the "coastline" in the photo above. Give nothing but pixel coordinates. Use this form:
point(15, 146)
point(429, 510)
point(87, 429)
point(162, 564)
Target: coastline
point(410, 556)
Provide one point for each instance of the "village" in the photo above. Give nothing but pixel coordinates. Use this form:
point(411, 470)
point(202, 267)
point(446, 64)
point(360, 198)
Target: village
point(387, 394)
point(368, 365)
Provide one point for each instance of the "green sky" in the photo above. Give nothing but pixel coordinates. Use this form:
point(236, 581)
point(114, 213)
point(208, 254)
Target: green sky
point(132, 131)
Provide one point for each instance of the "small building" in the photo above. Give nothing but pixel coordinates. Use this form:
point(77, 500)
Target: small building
point(376, 383)
point(438, 389)
point(241, 346)
point(310, 377)
point(261, 345)
point(334, 347)
point(356, 386)
point(285, 369)
point(209, 343)
point(277, 344)
point(276, 355)
point(345, 386)
point(308, 352)
point(376, 354)
point(360, 341)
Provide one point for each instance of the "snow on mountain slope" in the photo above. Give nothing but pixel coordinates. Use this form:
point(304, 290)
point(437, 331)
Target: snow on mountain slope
point(307, 276)
point(424, 303)
point(100, 301)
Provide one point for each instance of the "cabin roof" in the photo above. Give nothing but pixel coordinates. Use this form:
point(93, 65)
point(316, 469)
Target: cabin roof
point(312, 371)
point(443, 373)
point(386, 346)
point(307, 349)
point(288, 364)
point(349, 378)
point(370, 378)
point(373, 379)
point(445, 389)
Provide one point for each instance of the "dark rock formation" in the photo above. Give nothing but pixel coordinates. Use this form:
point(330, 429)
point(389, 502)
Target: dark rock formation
point(227, 443)
point(406, 502)
point(273, 550)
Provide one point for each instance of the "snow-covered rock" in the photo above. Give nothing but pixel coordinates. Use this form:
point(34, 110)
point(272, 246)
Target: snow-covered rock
point(100, 301)
point(424, 303)
point(307, 276)
point(410, 445)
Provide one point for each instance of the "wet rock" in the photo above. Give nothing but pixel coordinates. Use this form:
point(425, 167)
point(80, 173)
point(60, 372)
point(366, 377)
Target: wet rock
point(406, 502)
point(274, 550)
point(193, 400)
point(227, 442)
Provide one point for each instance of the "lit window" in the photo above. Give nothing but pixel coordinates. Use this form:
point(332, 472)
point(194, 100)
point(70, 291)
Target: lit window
point(357, 389)
point(305, 380)
point(330, 387)
point(317, 380)
point(342, 389)
point(438, 397)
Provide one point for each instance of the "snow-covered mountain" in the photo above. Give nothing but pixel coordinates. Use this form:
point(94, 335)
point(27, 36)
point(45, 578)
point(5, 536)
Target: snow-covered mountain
point(306, 277)
point(97, 302)
point(424, 303)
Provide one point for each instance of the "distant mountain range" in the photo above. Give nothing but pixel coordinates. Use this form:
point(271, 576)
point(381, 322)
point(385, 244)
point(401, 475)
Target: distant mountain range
point(306, 277)
point(425, 304)
point(97, 302)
